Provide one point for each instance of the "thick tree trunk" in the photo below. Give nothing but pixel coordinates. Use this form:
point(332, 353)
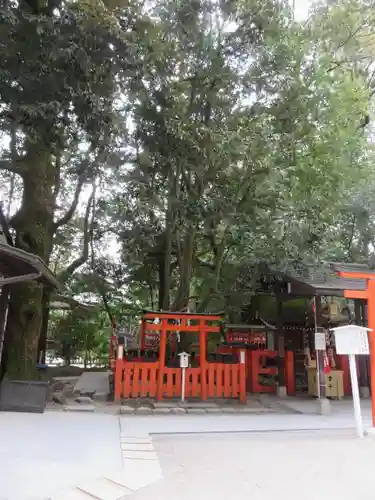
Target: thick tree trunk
point(34, 233)
point(42, 344)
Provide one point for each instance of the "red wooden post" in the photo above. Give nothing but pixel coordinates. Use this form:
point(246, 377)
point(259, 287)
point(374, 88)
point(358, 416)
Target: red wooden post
point(119, 368)
point(243, 376)
point(162, 349)
point(371, 324)
point(203, 359)
point(289, 373)
point(143, 334)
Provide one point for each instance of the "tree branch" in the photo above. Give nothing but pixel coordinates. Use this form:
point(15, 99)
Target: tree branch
point(87, 236)
point(15, 167)
point(73, 207)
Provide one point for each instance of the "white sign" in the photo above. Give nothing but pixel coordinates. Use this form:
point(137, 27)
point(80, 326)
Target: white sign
point(184, 360)
point(351, 339)
point(242, 357)
point(320, 341)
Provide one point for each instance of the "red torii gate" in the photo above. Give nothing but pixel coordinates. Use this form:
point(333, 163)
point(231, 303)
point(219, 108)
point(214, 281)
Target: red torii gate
point(362, 272)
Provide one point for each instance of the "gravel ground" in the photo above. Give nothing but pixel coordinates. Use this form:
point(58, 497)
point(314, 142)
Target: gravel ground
point(315, 465)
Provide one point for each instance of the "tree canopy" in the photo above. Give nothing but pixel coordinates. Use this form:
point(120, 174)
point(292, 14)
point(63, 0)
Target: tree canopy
point(163, 155)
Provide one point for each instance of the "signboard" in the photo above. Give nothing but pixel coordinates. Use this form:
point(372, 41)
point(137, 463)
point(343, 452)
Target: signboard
point(352, 339)
point(320, 341)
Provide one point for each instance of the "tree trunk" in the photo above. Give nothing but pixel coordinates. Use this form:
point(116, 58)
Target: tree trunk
point(186, 268)
point(183, 293)
point(34, 233)
point(42, 345)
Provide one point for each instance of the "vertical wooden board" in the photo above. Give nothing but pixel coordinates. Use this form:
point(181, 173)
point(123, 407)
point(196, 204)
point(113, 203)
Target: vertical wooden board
point(188, 383)
point(242, 382)
point(227, 380)
point(153, 379)
point(127, 380)
point(168, 383)
point(211, 380)
point(119, 373)
point(136, 382)
point(235, 381)
point(219, 380)
point(178, 382)
point(142, 380)
point(197, 384)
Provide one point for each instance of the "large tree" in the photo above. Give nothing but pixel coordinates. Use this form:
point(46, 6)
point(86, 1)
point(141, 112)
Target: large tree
point(246, 141)
point(60, 63)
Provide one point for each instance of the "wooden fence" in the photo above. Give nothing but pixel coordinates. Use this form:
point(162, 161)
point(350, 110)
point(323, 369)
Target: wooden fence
point(219, 380)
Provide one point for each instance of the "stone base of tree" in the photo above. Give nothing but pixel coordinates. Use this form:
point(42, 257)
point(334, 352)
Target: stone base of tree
point(29, 396)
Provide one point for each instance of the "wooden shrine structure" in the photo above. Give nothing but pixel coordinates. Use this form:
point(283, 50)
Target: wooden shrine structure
point(160, 377)
point(253, 359)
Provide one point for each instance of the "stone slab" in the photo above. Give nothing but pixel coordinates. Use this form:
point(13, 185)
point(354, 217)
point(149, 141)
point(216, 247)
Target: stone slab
point(196, 411)
point(132, 439)
point(144, 410)
point(214, 410)
point(138, 473)
point(199, 404)
point(73, 494)
point(162, 411)
point(138, 455)
point(165, 404)
point(79, 407)
point(124, 409)
point(104, 489)
point(91, 382)
point(178, 411)
point(136, 446)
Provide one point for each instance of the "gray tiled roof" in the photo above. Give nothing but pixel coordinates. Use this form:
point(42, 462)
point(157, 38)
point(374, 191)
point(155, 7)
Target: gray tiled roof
point(325, 279)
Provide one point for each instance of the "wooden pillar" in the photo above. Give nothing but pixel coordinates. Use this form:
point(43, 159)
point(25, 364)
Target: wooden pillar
point(362, 360)
point(371, 324)
point(162, 351)
point(143, 333)
point(280, 346)
point(242, 373)
point(4, 299)
point(203, 359)
point(320, 354)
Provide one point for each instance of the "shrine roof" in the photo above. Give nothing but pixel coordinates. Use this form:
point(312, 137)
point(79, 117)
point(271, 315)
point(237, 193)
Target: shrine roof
point(351, 268)
point(15, 262)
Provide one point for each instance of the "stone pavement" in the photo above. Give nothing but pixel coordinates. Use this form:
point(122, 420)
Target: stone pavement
point(264, 466)
point(80, 456)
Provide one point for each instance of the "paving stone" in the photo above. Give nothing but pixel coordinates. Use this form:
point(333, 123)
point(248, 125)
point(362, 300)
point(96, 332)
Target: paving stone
point(124, 409)
point(104, 489)
point(100, 396)
point(196, 411)
point(144, 410)
point(137, 474)
point(59, 397)
point(79, 407)
point(228, 409)
point(84, 400)
point(72, 494)
point(214, 410)
point(165, 404)
point(162, 411)
point(136, 446)
point(138, 455)
point(132, 439)
point(198, 404)
point(178, 411)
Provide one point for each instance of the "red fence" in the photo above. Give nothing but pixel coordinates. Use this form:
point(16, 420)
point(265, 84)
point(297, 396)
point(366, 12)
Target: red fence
point(221, 380)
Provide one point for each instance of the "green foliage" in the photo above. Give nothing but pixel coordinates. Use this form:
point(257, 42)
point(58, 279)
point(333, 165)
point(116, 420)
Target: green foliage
point(75, 335)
